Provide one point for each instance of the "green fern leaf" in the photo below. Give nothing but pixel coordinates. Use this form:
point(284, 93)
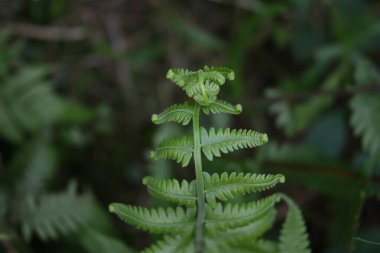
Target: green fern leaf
point(220, 106)
point(179, 149)
point(203, 92)
point(237, 215)
point(226, 187)
point(250, 231)
point(293, 238)
point(226, 72)
point(171, 244)
point(52, 215)
point(156, 220)
point(366, 122)
point(183, 193)
point(213, 143)
point(179, 113)
point(180, 76)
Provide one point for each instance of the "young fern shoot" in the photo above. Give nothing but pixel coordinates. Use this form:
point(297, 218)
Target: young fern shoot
point(201, 223)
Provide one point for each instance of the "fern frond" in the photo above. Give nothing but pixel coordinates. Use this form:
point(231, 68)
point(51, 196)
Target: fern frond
point(236, 215)
point(179, 113)
point(171, 244)
point(259, 246)
point(225, 187)
point(180, 76)
point(52, 215)
point(158, 220)
point(183, 193)
point(293, 235)
point(366, 122)
point(203, 92)
point(250, 231)
point(226, 72)
point(220, 106)
point(213, 143)
point(179, 149)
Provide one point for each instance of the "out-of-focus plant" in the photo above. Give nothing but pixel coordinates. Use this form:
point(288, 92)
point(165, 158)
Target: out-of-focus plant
point(31, 116)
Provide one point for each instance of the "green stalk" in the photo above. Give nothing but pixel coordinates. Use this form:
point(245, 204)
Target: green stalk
point(199, 180)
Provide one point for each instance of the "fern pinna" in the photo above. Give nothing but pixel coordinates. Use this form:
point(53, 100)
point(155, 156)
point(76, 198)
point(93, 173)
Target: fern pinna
point(200, 222)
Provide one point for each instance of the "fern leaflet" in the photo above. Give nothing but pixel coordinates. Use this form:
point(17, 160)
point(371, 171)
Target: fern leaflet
point(171, 244)
point(179, 149)
point(220, 106)
point(213, 143)
point(236, 215)
point(172, 190)
point(52, 215)
point(226, 187)
point(158, 220)
point(179, 113)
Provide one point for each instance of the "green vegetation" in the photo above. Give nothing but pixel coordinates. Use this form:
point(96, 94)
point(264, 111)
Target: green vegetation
point(204, 224)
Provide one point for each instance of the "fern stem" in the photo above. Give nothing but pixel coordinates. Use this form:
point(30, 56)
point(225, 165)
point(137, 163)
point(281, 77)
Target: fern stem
point(199, 180)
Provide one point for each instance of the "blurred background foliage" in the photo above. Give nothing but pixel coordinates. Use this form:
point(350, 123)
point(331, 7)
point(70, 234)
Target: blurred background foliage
point(80, 79)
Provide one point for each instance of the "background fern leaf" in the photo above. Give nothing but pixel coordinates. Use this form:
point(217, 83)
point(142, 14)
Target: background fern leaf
point(226, 187)
point(183, 193)
point(293, 237)
point(52, 215)
point(366, 122)
point(220, 106)
point(179, 149)
point(237, 215)
point(179, 113)
point(158, 220)
point(171, 244)
point(213, 143)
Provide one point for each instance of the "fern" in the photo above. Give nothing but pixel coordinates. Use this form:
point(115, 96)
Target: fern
point(215, 142)
point(171, 244)
point(181, 114)
point(183, 193)
point(220, 106)
point(156, 220)
point(293, 232)
point(179, 149)
point(52, 215)
point(203, 223)
point(366, 123)
point(226, 187)
point(236, 215)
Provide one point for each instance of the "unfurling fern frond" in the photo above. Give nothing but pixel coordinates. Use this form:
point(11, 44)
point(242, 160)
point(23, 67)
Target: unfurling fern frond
point(236, 215)
point(183, 193)
point(171, 244)
point(203, 92)
point(220, 106)
point(179, 76)
point(225, 187)
point(213, 143)
point(179, 113)
point(293, 238)
point(179, 149)
point(226, 72)
point(52, 215)
point(158, 220)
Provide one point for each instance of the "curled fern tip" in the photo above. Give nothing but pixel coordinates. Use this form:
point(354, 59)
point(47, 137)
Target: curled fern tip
point(264, 138)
